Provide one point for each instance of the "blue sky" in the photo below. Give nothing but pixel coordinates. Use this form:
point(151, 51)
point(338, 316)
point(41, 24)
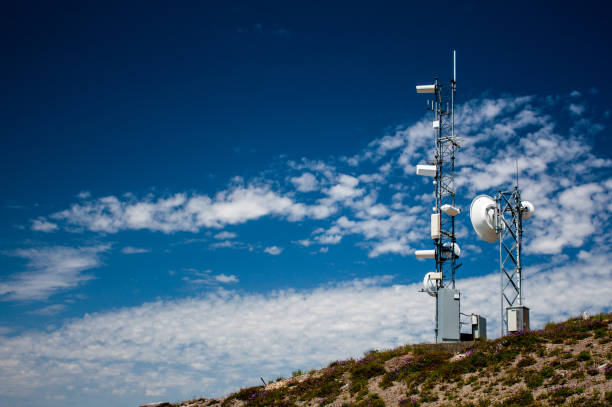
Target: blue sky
point(197, 196)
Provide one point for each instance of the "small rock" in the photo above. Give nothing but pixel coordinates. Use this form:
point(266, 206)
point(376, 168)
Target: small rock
point(157, 404)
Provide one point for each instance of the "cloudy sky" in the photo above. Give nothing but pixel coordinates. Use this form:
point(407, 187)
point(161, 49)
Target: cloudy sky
point(200, 196)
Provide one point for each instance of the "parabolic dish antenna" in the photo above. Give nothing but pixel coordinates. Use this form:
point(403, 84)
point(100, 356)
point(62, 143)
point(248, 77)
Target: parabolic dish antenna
point(482, 215)
point(449, 250)
point(528, 209)
point(429, 284)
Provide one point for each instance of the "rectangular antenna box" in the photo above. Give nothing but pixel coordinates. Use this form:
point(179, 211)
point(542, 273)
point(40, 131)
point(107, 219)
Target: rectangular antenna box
point(518, 318)
point(448, 315)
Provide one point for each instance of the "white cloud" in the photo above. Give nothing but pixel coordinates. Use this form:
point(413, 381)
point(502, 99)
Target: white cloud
point(225, 340)
point(304, 242)
point(206, 277)
point(225, 235)
point(572, 218)
point(5, 330)
point(397, 246)
point(50, 270)
point(305, 182)
point(49, 310)
point(134, 250)
point(576, 109)
point(344, 189)
point(382, 201)
point(84, 195)
point(224, 244)
point(179, 212)
point(42, 225)
point(156, 392)
point(222, 278)
point(273, 250)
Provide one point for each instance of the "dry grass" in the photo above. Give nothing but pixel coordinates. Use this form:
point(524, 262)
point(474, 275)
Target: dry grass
point(564, 364)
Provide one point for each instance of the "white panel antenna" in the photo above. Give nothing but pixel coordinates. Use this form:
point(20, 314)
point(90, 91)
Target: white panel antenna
point(426, 170)
point(426, 88)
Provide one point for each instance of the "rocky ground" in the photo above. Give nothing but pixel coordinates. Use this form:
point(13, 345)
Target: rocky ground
point(564, 364)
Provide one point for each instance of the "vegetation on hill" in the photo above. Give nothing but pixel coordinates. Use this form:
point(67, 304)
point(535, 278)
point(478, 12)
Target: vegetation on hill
point(568, 363)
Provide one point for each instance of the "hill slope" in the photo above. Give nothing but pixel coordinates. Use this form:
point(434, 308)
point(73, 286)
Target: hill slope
point(568, 363)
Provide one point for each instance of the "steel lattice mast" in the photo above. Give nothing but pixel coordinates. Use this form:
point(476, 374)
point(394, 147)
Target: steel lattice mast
point(509, 225)
point(442, 169)
point(445, 148)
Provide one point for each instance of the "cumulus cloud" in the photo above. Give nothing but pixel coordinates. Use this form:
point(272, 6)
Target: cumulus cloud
point(576, 109)
point(181, 212)
point(273, 250)
point(50, 270)
point(218, 343)
point(222, 278)
point(376, 197)
point(344, 189)
point(305, 182)
point(42, 225)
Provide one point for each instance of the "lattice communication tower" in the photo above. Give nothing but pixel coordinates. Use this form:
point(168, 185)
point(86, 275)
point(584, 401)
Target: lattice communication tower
point(442, 168)
point(510, 211)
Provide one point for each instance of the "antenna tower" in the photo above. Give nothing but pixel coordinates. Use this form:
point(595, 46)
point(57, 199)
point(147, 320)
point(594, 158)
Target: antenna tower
point(442, 169)
point(501, 219)
point(510, 211)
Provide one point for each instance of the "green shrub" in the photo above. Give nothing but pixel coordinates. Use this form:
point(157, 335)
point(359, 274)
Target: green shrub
point(583, 356)
point(520, 399)
point(372, 400)
point(560, 395)
point(245, 394)
point(533, 379)
point(411, 402)
point(368, 370)
point(526, 361)
point(547, 371)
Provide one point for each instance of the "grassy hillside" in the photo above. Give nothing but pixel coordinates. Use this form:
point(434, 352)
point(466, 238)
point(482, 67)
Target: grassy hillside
point(569, 363)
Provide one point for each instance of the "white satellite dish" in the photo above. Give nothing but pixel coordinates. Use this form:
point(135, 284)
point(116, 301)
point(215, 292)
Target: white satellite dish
point(482, 215)
point(447, 253)
point(528, 209)
point(430, 283)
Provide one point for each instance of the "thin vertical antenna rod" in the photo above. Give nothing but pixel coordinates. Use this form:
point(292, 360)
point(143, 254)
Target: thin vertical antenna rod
point(454, 85)
point(517, 184)
point(454, 66)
